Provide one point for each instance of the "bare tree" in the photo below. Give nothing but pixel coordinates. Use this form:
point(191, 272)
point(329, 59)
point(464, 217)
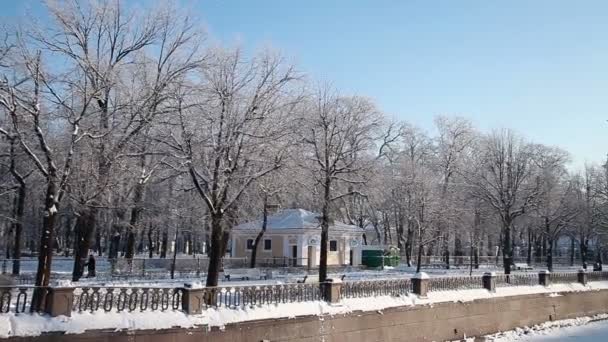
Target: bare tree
point(232, 130)
point(268, 190)
point(340, 133)
point(412, 162)
point(30, 112)
point(129, 61)
point(503, 178)
point(455, 136)
point(555, 206)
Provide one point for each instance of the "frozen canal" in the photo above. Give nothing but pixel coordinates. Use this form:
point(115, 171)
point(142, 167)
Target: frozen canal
point(590, 332)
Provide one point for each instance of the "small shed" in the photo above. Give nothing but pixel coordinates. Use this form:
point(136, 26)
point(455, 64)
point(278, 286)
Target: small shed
point(294, 235)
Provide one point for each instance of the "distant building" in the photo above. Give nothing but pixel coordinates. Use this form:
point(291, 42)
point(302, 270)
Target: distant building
point(294, 235)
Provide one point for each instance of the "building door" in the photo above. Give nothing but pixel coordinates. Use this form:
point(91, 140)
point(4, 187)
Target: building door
point(350, 258)
point(294, 255)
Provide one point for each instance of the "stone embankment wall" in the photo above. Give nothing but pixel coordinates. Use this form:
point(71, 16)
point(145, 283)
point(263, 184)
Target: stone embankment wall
point(439, 322)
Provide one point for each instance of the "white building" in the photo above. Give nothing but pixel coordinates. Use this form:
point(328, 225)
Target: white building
point(295, 235)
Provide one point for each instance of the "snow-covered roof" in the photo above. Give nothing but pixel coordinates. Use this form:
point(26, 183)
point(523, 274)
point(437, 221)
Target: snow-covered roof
point(296, 219)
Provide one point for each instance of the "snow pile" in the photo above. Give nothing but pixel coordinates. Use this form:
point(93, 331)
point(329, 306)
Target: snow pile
point(547, 328)
point(33, 325)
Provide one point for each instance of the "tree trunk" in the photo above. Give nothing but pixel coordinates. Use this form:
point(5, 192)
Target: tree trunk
point(138, 195)
point(471, 257)
point(325, 230)
point(18, 211)
point(399, 225)
point(68, 235)
point(419, 261)
point(150, 244)
point(476, 257)
point(572, 243)
point(174, 255)
point(215, 255)
point(584, 245)
point(114, 243)
point(18, 227)
point(130, 246)
point(529, 256)
point(258, 238)
point(458, 250)
point(549, 245)
point(507, 248)
point(45, 254)
point(550, 254)
point(409, 245)
point(140, 244)
point(98, 243)
point(544, 246)
point(84, 231)
point(157, 244)
point(446, 249)
point(163, 247)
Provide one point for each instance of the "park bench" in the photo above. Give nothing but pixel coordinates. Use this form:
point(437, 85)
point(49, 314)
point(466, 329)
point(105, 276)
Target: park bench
point(243, 274)
point(522, 267)
point(307, 280)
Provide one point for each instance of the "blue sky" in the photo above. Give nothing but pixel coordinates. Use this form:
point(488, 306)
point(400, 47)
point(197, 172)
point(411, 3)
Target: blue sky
point(539, 67)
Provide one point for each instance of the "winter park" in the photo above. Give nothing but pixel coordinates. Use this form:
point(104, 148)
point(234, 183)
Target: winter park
point(353, 171)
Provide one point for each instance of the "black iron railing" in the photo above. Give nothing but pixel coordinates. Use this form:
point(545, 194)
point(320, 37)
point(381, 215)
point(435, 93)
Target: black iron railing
point(16, 299)
point(126, 299)
point(455, 283)
point(256, 295)
point(371, 288)
point(514, 279)
point(563, 277)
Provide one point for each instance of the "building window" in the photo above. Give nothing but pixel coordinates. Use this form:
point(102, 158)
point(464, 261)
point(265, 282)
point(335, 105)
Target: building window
point(249, 243)
point(333, 246)
point(267, 244)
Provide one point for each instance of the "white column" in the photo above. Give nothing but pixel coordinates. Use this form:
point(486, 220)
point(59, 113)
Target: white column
point(233, 246)
point(313, 256)
point(356, 255)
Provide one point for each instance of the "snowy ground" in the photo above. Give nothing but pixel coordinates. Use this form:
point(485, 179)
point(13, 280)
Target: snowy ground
point(583, 329)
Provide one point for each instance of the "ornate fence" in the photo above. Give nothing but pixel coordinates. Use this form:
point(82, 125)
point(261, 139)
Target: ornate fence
point(564, 277)
point(248, 296)
point(455, 283)
point(370, 288)
point(16, 299)
point(126, 299)
point(597, 276)
point(504, 280)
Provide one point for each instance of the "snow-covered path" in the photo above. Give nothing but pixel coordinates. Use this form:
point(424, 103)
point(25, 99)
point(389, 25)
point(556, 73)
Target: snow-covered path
point(574, 330)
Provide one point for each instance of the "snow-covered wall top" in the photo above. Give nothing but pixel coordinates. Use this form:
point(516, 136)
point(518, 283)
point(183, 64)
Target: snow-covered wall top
point(296, 219)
